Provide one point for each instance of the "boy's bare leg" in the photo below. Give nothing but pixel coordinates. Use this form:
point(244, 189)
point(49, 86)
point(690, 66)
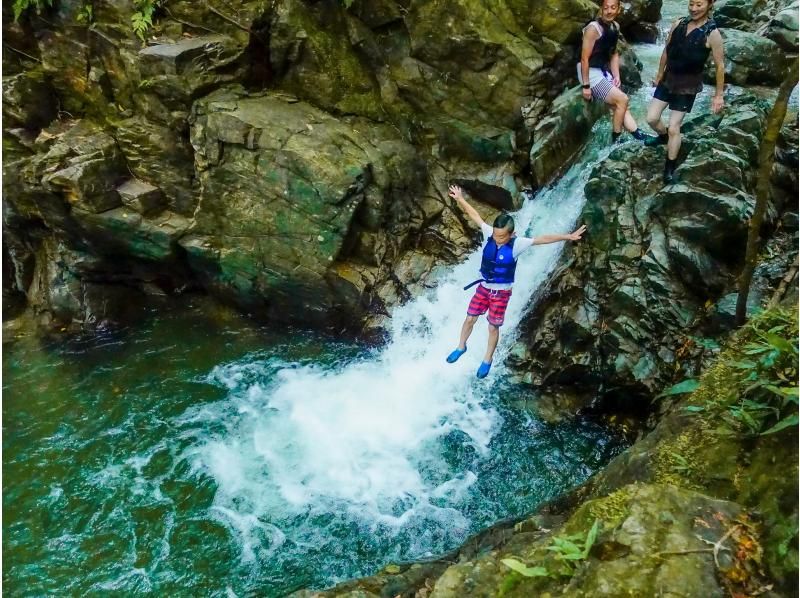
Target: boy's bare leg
point(494, 336)
point(466, 330)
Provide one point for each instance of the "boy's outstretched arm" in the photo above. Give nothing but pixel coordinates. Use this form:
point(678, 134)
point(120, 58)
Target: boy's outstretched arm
point(456, 193)
point(544, 239)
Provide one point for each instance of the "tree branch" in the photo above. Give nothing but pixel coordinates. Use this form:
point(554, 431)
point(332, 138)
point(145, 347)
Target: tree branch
point(13, 49)
point(229, 19)
point(766, 157)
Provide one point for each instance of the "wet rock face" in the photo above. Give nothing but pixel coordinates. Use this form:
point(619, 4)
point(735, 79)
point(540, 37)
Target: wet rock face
point(635, 289)
point(751, 59)
point(638, 20)
point(281, 186)
point(384, 104)
point(773, 19)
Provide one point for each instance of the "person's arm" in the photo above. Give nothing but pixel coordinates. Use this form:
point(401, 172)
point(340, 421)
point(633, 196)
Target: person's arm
point(545, 239)
point(590, 36)
point(614, 66)
point(456, 193)
point(662, 63)
point(715, 39)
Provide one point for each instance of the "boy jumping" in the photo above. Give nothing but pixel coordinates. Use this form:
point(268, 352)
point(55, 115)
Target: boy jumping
point(498, 265)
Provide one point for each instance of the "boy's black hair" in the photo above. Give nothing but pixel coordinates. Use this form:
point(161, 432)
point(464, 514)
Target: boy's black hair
point(504, 221)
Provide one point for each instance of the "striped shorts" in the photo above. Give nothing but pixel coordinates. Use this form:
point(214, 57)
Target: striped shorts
point(601, 82)
point(495, 302)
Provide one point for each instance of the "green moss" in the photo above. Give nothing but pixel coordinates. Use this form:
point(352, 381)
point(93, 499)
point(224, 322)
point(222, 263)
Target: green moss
point(611, 510)
point(678, 462)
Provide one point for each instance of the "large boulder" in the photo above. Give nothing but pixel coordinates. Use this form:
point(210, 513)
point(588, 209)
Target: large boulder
point(782, 28)
point(282, 187)
point(639, 20)
point(28, 100)
point(85, 166)
point(73, 290)
point(160, 156)
point(175, 73)
point(561, 133)
point(750, 59)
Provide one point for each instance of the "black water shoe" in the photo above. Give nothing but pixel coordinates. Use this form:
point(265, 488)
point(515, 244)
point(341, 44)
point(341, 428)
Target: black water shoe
point(669, 172)
point(640, 135)
point(654, 141)
point(615, 137)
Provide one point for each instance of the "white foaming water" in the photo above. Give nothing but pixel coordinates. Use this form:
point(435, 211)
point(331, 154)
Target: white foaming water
point(298, 447)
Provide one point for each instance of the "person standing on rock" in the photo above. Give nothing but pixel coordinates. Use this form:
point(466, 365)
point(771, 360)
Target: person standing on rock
point(680, 77)
point(598, 70)
point(498, 265)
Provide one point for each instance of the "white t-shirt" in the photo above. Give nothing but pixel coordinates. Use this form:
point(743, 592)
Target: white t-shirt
point(521, 245)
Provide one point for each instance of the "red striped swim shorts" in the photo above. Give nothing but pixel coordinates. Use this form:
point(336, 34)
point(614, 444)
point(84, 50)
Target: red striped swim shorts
point(495, 302)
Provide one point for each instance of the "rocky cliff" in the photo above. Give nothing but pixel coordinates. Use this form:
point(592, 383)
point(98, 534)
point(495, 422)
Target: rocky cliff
point(289, 157)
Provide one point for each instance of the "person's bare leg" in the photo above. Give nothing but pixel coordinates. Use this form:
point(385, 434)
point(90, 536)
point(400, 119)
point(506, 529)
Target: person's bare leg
point(654, 111)
point(466, 330)
point(629, 122)
point(674, 130)
point(494, 336)
point(619, 101)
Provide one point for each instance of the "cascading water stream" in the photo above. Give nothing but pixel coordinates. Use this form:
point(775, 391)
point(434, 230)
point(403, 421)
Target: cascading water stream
point(369, 440)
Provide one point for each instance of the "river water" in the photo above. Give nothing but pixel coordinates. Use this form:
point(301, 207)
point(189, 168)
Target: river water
point(199, 454)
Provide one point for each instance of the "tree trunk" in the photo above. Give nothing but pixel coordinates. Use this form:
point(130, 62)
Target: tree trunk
point(766, 157)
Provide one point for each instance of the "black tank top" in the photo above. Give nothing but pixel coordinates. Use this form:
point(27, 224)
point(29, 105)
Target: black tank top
point(687, 56)
point(605, 46)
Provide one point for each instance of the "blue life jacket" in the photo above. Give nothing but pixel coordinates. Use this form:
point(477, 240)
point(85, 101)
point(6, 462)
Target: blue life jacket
point(498, 264)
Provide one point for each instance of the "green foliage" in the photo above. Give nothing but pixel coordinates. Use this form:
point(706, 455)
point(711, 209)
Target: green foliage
point(348, 3)
point(523, 570)
point(686, 386)
point(86, 14)
point(142, 19)
point(759, 394)
point(765, 375)
point(571, 550)
point(22, 6)
point(681, 464)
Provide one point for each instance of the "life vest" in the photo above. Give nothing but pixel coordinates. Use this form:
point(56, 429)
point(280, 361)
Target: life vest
point(498, 264)
point(687, 54)
point(605, 46)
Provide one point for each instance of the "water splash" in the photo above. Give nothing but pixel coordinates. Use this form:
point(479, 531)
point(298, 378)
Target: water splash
point(304, 452)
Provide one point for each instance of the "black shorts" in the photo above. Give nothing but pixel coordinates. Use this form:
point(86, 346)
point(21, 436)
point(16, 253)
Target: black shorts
point(680, 102)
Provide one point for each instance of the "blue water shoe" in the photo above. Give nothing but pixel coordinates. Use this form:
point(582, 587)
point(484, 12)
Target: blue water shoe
point(453, 357)
point(483, 370)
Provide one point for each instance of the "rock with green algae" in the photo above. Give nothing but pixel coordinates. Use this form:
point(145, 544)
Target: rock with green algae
point(128, 233)
point(176, 72)
point(652, 542)
point(84, 164)
point(28, 100)
point(276, 212)
point(701, 450)
point(561, 133)
point(72, 290)
point(161, 157)
point(308, 54)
